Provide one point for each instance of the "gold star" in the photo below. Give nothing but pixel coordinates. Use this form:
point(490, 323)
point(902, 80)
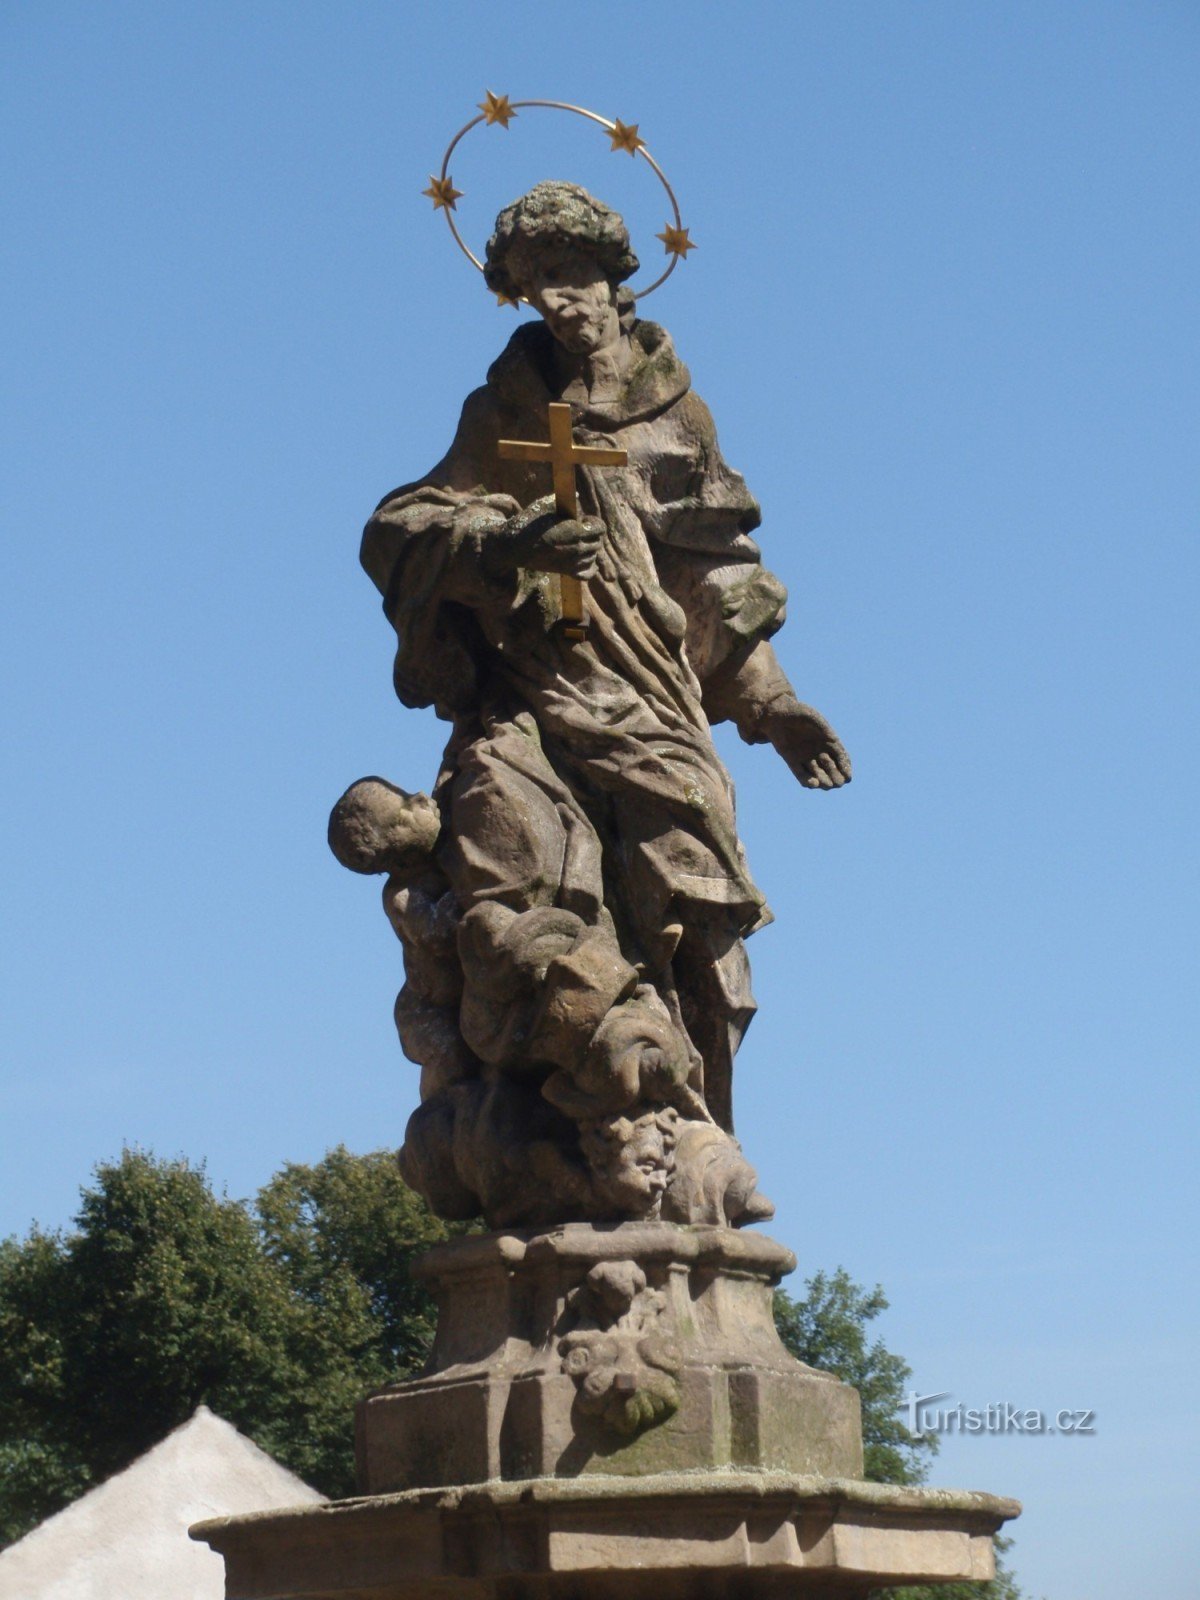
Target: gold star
point(676, 241)
point(497, 108)
point(442, 192)
point(625, 137)
point(506, 300)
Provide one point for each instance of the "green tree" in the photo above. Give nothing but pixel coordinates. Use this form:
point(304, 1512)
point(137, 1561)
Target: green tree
point(830, 1328)
point(165, 1296)
point(351, 1223)
point(342, 1235)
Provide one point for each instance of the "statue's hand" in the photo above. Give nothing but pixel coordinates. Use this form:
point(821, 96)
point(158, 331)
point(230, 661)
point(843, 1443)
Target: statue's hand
point(543, 540)
point(807, 743)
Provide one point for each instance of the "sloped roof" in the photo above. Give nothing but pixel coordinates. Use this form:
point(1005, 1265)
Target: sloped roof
point(127, 1538)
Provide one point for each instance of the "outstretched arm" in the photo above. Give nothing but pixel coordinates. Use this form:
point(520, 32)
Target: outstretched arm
point(752, 691)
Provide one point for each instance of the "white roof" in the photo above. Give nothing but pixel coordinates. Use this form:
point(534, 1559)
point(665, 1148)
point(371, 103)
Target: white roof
point(127, 1538)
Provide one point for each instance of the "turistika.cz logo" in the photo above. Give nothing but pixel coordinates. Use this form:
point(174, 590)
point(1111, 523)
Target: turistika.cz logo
point(925, 1417)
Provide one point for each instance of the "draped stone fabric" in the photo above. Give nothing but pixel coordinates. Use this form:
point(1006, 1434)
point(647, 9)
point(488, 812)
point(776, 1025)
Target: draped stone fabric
point(589, 847)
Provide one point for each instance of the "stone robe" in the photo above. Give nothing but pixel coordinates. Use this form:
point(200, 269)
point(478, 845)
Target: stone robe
point(581, 791)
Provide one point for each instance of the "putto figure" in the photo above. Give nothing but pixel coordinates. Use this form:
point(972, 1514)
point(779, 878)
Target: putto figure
point(573, 898)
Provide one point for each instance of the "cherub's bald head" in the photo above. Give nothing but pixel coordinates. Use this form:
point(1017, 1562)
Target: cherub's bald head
point(376, 827)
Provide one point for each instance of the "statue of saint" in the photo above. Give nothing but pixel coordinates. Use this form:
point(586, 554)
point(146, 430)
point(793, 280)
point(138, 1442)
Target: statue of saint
point(573, 899)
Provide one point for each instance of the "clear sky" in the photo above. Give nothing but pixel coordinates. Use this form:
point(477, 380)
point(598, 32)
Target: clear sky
point(944, 308)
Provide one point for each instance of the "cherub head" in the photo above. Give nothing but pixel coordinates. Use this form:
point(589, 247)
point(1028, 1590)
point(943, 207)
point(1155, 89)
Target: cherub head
point(566, 253)
point(376, 827)
point(632, 1158)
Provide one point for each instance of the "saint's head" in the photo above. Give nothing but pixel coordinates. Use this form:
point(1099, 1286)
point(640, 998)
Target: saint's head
point(567, 254)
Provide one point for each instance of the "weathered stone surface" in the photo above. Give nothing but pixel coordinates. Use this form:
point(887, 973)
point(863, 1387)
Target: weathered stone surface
point(637, 1349)
point(573, 901)
point(737, 1536)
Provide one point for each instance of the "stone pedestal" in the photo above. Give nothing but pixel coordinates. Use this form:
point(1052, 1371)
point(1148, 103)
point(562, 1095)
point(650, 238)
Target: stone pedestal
point(702, 1536)
point(640, 1348)
point(609, 1411)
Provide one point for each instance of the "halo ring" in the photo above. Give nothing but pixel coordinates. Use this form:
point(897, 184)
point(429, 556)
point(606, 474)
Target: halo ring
point(609, 126)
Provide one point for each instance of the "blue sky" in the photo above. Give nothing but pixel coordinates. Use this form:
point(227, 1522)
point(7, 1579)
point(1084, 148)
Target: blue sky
point(944, 310)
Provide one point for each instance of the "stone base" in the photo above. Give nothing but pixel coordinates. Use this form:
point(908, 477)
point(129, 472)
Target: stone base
point(609, 1414)
point(736, 1536)
point(634, 1349)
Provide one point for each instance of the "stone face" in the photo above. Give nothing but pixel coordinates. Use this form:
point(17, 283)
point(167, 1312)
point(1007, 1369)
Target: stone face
point(637, 1349)
point(731, 1535)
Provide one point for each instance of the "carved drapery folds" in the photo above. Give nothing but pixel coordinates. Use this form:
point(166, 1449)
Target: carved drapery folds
point(556, 1084)
point(573, 928)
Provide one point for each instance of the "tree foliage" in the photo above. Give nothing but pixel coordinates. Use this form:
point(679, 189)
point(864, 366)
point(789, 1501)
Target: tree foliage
point(351, 1226)
point(830, 1328)
point(280, 1314)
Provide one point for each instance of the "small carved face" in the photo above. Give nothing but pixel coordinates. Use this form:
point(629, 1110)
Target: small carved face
point(637, 1161)
point(577, 301)
point(376, 827)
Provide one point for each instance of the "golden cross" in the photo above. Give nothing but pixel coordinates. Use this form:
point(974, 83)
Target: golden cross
point(564, 455)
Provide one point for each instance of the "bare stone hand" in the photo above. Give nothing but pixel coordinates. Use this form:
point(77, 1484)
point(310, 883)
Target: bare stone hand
point(543, 540)
point(808, 744)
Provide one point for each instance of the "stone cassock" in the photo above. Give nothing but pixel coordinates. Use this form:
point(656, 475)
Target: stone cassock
point(573, 898)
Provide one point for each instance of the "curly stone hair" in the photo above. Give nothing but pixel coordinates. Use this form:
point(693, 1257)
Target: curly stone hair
point(550, 219)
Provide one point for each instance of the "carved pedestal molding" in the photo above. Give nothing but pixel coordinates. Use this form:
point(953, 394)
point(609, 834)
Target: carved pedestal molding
point(638, 1348)
point(689, 1536)
point(609, 1412)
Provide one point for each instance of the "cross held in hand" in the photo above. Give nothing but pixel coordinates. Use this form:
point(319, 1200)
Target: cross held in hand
point(564, 455)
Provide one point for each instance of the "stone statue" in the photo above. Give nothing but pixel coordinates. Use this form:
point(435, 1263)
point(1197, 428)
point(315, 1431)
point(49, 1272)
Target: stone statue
point(573, 899)
point(607, 1411)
